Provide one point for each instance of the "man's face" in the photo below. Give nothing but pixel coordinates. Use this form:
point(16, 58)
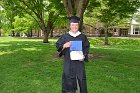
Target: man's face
point(74, 27)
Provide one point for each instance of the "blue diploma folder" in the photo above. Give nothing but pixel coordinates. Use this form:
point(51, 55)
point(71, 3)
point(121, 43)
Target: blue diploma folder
point(76, 46)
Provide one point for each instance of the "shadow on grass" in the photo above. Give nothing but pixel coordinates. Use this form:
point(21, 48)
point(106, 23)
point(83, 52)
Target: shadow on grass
point(31, 67)
point(27, 67)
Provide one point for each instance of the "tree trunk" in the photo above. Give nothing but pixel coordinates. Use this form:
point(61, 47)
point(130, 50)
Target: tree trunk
point(0, 32)
point(13, 33)
point(45, 39)
point(68, 7)
point(106, 35)
point(31, 33)
point(47, 32)
point(38, 33)
point(75, 7)
point(51, 32)
point(47, 28)
point(81, 24)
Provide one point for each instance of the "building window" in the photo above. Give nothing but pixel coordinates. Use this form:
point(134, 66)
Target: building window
point(136, 31)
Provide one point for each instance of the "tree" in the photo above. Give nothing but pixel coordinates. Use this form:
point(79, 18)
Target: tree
point(44, 12)
point(76, 7)
point(24, 24)
point(117, 10)
point(91, 13)
point(8, 13)
point(136, 16)
point(110, 12)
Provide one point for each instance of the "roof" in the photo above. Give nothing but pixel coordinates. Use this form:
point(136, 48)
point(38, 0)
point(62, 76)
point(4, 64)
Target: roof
point(134, 22)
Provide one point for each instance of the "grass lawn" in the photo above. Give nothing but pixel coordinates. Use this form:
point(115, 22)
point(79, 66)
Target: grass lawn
point(29, 66)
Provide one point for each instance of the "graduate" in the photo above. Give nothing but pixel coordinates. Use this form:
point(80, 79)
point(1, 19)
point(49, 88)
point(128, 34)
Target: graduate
point(75, 47)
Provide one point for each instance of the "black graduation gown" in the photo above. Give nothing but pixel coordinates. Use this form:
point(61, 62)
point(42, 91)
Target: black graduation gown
point(73, 70)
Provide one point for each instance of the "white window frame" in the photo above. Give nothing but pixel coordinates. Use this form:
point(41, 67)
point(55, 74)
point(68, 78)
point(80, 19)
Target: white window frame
point(134, 30)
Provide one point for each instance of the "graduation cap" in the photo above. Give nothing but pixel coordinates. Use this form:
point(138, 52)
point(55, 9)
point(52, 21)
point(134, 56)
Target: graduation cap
point(74, 19)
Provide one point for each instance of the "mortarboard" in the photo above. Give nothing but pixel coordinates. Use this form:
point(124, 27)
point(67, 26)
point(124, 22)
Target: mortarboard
point(74, 19)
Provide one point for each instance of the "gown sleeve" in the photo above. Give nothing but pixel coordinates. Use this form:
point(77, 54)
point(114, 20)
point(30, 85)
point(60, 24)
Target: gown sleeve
point(59, 45)
point(86, 47)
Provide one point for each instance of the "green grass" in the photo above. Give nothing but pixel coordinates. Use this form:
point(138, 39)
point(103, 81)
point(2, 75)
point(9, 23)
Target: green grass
point(29, 66)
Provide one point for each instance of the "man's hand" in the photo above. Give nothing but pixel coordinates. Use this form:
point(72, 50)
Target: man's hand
point(82, 59)
point(66, 45)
